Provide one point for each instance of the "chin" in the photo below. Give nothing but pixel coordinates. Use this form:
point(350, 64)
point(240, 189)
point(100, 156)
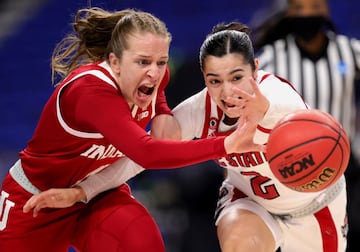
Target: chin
point(232, 115)
point(143, 104)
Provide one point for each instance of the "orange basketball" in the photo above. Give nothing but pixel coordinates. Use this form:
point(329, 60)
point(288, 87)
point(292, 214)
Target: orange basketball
point(308, 150)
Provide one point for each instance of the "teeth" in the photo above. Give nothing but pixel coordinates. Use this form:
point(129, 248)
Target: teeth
point(146, 90)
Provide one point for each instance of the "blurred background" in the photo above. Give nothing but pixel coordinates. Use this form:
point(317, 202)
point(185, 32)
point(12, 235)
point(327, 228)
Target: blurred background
point(182, 201)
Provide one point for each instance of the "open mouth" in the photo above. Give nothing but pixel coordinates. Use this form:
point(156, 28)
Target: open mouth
point(145, 90)
point(230, 105)
point(227, 105)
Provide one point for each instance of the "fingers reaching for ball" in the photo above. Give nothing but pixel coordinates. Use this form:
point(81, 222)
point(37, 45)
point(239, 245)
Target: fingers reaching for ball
point(252, 105)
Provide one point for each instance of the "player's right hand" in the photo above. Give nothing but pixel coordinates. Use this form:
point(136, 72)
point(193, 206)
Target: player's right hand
point(54, 198)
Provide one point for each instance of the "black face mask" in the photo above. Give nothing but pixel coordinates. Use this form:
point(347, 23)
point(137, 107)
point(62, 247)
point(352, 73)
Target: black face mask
point(306, 27)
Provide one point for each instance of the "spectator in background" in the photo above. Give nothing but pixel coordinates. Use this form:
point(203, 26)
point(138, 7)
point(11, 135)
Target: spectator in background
point(297, 40)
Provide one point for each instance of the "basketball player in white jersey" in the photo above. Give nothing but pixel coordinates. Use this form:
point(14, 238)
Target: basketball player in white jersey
point(255, 212)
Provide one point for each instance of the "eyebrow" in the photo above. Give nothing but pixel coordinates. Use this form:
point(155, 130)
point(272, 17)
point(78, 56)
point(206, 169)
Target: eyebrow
point(231, 72)
point(148, 56)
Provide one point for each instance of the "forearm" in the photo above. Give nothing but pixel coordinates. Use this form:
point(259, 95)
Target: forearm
point(163, 127)
point(112, 176)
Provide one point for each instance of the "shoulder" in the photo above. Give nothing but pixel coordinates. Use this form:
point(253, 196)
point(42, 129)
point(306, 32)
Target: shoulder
point(94, 75)
point(343, 39)
point(274, 83)
point(194, 102)
point(267, 78)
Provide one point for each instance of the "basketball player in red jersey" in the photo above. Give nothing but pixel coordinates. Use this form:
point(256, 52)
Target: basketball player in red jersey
point(255, 211)
point(115, 71)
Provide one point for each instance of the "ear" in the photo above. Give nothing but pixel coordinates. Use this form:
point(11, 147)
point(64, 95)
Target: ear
point(256, 61)
point(114, 63)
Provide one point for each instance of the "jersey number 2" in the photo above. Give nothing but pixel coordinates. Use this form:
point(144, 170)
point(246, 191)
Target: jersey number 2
point(258, 185)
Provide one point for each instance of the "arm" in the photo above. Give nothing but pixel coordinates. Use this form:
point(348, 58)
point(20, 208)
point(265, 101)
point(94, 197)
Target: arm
point(165, 127)
point(116, 174)
point(111, 177)
point(119, 127)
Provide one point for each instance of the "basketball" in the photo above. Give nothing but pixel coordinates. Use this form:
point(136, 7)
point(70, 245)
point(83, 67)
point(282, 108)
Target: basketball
point(308, 150)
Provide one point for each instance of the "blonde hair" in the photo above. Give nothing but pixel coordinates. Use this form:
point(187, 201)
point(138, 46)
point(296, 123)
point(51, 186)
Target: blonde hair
point(97, 33)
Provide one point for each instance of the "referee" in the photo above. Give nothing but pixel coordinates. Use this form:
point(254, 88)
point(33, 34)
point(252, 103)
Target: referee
point(299, 42)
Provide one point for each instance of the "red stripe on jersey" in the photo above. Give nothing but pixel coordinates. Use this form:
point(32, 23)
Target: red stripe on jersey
point(237, 194)
point(264, 77)
point(208, 119)
point(207, 116)
point(262, 129)
point(328, 230)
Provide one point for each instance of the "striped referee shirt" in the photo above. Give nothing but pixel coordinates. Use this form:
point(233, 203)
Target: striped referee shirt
point(327, 83)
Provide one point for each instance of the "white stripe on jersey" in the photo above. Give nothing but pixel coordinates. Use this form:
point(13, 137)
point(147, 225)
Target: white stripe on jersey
point(62, 122)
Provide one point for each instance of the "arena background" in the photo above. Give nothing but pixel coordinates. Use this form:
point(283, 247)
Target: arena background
point(182, 201)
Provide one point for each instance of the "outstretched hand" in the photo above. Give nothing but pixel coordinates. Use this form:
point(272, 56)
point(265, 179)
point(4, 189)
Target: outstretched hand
point(53, 198)
point(253, 107)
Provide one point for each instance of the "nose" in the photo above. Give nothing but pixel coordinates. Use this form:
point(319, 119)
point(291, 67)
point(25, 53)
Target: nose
point(153, 71)
point(227, 89)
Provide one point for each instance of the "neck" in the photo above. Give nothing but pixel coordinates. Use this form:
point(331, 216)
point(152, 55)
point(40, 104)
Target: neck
point(230, 121)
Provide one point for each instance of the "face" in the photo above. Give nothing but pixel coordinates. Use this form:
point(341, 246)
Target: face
point(301, 8)
point(221, 74)
point(141, 68)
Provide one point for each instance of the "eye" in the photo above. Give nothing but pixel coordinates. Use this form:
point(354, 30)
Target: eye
point(162, 63)
point(214, 81)
point(143, 62)
point(237, 78)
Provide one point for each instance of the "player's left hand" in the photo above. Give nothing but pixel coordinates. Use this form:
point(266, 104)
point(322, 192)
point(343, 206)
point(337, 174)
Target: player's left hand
point(54, 198)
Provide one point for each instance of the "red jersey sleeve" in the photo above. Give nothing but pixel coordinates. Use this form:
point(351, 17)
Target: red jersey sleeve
point(98, 107)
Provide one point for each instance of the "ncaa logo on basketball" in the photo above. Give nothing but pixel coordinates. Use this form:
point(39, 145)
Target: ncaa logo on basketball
point(297, 167)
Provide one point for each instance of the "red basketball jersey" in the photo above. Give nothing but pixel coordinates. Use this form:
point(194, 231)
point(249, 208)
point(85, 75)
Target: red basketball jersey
point(61, 153)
